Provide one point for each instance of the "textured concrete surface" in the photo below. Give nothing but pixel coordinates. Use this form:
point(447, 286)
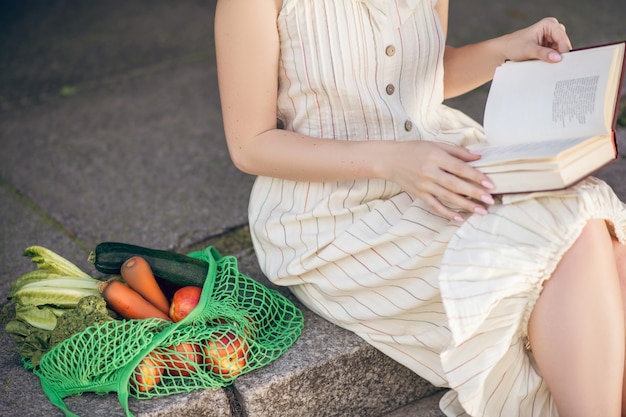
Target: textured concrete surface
point(110, 129)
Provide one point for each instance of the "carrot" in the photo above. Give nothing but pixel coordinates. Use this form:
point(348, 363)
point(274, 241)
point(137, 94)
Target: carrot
point(128, 303)
point(138, 275)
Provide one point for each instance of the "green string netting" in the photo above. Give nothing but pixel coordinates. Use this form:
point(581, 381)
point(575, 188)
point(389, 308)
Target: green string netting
point(239, 325)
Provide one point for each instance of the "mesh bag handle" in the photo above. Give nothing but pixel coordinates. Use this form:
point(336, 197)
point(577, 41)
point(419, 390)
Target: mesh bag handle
point(239, 325)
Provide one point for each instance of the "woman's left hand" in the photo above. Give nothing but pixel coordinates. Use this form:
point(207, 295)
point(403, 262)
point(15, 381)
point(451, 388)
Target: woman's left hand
point(545, 40)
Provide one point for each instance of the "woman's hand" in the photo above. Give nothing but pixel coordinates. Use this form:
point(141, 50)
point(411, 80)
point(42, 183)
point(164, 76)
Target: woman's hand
point(438, 174)
point(473, 65)
point(545, 40)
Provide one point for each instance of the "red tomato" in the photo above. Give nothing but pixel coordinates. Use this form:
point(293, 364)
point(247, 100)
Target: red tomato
point(147, 373)
point(184, 300)
point(227, 354)
point(181, 359)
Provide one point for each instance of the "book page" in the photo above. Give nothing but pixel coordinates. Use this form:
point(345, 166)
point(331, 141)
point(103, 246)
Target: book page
point(540, 153)
point(535, 100)
point(575, 100)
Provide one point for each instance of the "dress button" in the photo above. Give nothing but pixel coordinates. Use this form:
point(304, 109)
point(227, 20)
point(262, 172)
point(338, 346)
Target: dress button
point(390, 50)
point(390, 89)
point(408, 125)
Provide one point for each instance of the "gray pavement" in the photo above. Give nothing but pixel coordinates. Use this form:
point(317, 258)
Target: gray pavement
point(110, 129)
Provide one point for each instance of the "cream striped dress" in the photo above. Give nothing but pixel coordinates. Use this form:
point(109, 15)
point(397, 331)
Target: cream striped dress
point(449, 301)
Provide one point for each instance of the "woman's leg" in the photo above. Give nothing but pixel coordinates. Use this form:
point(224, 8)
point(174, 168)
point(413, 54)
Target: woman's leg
point(577, 328)
point(620, 259)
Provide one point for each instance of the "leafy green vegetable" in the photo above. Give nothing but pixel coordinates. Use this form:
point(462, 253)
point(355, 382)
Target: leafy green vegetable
point(52, 262)
point(60, 292)
point(31, 277)
point(32, 342)
point(41, 317)
point(89, 310)
point(47, 303)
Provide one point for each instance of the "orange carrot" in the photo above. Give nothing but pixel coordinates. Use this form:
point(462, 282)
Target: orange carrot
point(128, 303)
point(138, 275)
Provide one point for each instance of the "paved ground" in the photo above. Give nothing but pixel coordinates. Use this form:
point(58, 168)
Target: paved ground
point(110, 130)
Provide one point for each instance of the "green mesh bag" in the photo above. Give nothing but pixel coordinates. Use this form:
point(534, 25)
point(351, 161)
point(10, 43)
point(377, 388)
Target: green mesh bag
point(239, 325)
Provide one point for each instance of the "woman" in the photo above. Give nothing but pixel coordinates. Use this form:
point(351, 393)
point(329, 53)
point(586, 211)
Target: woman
point(366, 207)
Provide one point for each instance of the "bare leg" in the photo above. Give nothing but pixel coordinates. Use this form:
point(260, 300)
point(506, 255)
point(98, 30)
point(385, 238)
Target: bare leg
point(620, 259)
point(577, 329)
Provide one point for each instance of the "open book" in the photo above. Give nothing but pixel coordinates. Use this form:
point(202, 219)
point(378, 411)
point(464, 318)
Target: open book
point(550, 125)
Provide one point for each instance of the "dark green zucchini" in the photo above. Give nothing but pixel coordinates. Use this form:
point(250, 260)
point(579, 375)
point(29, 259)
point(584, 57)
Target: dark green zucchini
point(176, 268)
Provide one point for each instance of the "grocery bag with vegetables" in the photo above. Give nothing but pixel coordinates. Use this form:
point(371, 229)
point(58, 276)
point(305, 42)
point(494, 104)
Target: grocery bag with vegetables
point(163, 323)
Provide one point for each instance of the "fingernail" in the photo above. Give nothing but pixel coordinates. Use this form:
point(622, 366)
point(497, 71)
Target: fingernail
point(458, 218)
point(554, 56)
point(487, 184)
point(480, 210)
point(486, 198)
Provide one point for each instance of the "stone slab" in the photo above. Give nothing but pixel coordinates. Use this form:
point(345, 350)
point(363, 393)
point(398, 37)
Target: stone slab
point(124, 163)
point(56, 48)
point(427, 407)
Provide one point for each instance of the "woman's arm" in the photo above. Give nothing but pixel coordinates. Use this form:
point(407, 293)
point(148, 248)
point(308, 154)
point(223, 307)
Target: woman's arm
point(248, 48)
point(472, 65)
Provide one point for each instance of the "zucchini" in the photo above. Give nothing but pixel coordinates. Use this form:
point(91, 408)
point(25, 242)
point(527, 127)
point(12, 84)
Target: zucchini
point(176, 268)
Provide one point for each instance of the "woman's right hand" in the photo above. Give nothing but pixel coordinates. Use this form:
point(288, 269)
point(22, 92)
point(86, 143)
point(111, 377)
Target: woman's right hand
point(438, 174)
